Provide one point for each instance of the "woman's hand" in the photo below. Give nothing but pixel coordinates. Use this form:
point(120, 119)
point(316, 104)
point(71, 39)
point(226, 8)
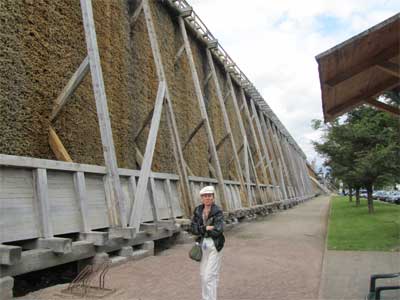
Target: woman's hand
point(209, 228)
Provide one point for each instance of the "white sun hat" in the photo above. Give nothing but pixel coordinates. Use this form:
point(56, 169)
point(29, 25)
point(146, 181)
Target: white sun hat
point(207, 190)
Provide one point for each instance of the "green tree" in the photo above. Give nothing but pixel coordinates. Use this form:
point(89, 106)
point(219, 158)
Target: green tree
point(361, 150)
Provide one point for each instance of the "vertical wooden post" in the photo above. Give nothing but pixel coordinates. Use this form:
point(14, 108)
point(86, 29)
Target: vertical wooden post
point(80, 190)
point(275, 159)
point(263, 143)
point(243, 131)
point(204, 116)
point(284, 162)
point(137, 209)
point(247, 169)
point(256, 143)
point(168, 192)
point(153, 202)
point(177, 148)
point(226, 121)
point(42, 197)
point(102, 111)
point(280, 157)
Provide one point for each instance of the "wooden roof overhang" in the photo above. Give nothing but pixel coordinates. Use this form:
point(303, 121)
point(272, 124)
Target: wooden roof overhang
point(360, 69)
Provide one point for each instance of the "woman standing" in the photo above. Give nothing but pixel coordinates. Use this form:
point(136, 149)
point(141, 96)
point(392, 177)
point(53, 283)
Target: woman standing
point(208, 224)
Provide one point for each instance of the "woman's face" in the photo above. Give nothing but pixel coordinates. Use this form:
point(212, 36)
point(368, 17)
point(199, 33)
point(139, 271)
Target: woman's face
point(207, 199)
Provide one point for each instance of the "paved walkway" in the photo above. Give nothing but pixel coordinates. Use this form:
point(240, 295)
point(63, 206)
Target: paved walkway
point(279, 257)
point(346, 274)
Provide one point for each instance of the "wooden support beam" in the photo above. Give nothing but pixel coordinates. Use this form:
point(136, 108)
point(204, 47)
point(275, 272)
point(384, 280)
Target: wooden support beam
point(193, 133)
point(102, 112)
point(221, 142)
point(206, 81)
point(137, 209)
point(275, 152)
point(153, 196)
point(173, 128)
point(227, 126)
point(382, 56)
point(136, 14)
point(254, 137)
point(145, 123)
point(169, 198)
point(390, 68)
point(383, 106)
point(57, 146)
point(373, 92)
point(203, 112)
point(70, 88)
point(179, 54)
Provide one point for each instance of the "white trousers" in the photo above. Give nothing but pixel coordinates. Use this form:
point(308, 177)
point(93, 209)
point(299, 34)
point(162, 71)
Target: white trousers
point(209, 269)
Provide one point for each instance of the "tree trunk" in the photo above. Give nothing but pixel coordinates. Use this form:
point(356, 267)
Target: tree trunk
point(350, 194)
point(357, 196)
point(370, 200)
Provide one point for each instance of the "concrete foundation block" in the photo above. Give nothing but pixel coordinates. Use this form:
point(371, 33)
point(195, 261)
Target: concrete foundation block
point(6, 288)
point(126, 233)
point(96, 237)
point(57, 245)
point(126, 251)
point(9, 255)
point(149, 245)
point(149, 228)
point(100, 258)
point(141, 253)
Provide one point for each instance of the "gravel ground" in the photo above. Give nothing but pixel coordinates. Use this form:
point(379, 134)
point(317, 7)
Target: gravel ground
point(278, 257)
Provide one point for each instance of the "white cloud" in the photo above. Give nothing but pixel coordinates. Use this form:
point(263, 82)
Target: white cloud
point(275, 42)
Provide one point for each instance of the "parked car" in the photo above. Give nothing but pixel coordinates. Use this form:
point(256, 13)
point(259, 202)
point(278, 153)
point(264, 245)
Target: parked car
point(378, 194)
point(393, 197)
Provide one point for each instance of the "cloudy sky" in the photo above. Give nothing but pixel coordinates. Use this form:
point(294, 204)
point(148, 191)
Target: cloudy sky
point(275, 42)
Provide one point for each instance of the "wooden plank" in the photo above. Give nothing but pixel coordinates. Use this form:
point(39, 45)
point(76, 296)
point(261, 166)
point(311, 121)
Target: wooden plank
point(193, 133)
point(17, 194)
point(42, 198)
point(177, 148)
point(98, 213)
point(136, 213)
point(203, 112)
point(384, 55)
point(57, 146)
point(33, 163)
point(70, 88)
point(63, 203)
point(102, 111)
point(80, 188)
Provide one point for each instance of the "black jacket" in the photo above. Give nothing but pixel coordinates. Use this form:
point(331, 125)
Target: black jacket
point(216, 219)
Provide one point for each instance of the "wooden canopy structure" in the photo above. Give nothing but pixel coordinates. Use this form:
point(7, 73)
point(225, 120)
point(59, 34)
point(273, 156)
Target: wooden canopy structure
point(361, 69)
